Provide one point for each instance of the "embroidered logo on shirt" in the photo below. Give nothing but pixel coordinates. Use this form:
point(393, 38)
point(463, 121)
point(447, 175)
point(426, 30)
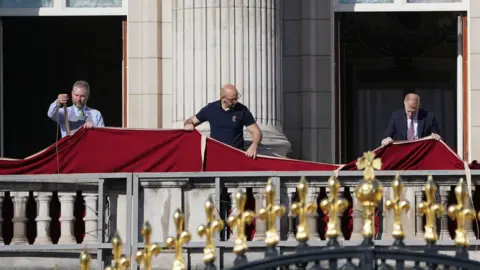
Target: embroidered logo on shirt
point(234, 118)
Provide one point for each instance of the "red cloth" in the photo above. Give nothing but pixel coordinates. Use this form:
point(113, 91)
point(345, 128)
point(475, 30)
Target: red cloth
point(220, 157)
point(426, 154)
point(107, 150)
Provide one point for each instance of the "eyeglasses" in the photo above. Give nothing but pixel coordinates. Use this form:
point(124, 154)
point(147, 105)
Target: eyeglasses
point(233, 99)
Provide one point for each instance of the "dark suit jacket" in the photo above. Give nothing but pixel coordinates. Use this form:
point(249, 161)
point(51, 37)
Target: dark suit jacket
point(397, 126)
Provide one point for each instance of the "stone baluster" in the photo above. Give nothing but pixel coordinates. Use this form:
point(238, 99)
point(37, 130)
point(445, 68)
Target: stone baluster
point(312, 196)
point(387, 216)
point(468, 225)
point(91, 218)
point(19, 220)
point(419, 222)
point(444, 233)
point(357, 216)
point(2, 196)
point(67, 219)
point(291, 218)
point(43, 218)
point(260, 225)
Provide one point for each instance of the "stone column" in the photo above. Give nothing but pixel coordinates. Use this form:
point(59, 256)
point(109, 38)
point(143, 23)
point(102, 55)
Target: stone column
point(387, 216)
point(260, 225)
point(43, 218)
point(67, 202)
point(419, 223)
point(19, 217)
point(91, 218)
point(237, 42)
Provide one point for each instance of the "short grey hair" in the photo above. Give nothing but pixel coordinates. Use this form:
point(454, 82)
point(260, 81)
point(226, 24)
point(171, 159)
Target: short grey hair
point(84, 85)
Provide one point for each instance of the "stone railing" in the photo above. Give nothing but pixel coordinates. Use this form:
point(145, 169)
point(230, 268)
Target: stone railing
point(51, 218)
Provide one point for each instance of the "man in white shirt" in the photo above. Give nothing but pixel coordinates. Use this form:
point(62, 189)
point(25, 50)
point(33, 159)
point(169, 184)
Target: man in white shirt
point(78, 114)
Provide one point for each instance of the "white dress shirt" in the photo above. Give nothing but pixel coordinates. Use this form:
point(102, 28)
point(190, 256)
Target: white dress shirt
point(75, 119)
point(415, 125)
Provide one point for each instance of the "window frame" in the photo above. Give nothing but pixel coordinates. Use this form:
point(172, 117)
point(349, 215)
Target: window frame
point(60, 9)
point(401, 5)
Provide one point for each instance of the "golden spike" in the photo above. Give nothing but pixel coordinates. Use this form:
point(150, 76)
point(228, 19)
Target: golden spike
point(301, 209)
point(149, 250)
point(431, 210)
point(120, 262)
point(369, 164)
point(334, 206)
point(213, 225)
point(270, 213)
point(369, 191)
point(239, 220)
point(397, 205)
point(183, 237)
point(85, 260)
point(462, 214)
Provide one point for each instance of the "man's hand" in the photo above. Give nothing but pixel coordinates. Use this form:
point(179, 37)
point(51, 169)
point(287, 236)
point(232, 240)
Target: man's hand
point(62, 98)
point(188, 127)
point(252, 151)
point(436, 136)
point(387, 141)
point(88, 125)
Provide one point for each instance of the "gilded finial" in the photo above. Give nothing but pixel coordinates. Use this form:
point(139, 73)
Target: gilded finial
point(431, 210)
point(183, 237)
point(120, 262)
point(369, 191)
point(301, 209)
point(208, 230)
point(85, 260)
point(397, 205)
point(462, 214)
point(334, 206)
point(270, 213)
point(368, 163)
point(150, 250)
point(239, 220)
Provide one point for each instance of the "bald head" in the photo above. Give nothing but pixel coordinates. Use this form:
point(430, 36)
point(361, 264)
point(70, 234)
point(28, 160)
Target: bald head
point(412, 103)
point(229, 95)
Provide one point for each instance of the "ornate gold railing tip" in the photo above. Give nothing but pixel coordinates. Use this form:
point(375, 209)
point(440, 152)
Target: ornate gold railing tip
point(150, 249)
point(239, 220)
point(119, 260)
point(301, 209)
point(397, 205)
point(182, 238)
point(208, 230)
point(85, 260)
point(462, 214)
point(269, 213)
point(333, 206)
point(430, 210)
point(368, 163)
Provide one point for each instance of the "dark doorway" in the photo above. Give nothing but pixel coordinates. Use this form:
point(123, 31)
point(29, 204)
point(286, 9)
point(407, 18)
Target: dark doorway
point(385, 55)
point(43, 57)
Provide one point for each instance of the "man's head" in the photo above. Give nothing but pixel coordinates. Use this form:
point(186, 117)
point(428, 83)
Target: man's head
point(412, 103)
point(80, 93)
point(229, 96)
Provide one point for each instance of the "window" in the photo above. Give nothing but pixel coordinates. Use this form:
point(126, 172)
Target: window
point(26, 3)
point(93, 3)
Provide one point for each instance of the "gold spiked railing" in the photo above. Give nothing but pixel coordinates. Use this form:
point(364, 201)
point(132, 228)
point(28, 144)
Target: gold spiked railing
point(368, 191)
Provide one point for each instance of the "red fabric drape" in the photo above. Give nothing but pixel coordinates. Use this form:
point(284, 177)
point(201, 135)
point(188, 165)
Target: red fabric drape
point(426, 154)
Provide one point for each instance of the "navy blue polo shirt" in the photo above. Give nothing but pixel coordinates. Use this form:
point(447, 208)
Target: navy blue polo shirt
point(226, 125)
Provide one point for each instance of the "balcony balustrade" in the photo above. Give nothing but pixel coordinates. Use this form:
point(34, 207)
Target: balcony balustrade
point(48, 220)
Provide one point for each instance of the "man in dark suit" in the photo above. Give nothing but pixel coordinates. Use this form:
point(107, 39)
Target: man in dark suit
point(411, 123)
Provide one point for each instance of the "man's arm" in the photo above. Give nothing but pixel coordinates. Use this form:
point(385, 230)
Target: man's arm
point(435, 128)
point(390, 131)
point(197, 119)
point(99, 122)
point(192, 120)
point(256, 134)
point(55, 113)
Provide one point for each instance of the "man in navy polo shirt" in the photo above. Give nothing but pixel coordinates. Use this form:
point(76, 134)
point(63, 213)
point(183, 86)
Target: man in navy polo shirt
point(227, 117)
